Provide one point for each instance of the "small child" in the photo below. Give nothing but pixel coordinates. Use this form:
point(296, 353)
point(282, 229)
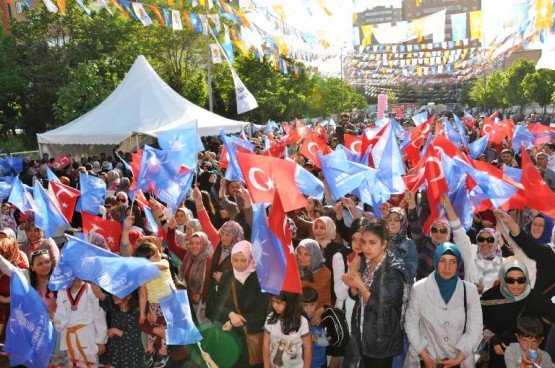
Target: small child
point(152, 292)
point(82, 324)
point(287, 336)
point(529, 332)
point(6, 217)
point(309, 300)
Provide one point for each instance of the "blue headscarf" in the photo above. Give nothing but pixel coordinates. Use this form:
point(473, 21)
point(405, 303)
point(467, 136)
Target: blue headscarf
point(447, 287)
point(545, 238)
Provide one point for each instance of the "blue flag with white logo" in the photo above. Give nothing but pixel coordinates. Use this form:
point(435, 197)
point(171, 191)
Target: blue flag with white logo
point(93, 190)
point(177, 312)
point(21, 197)
point(48, 216)
point(6, 183)
point(30, 335)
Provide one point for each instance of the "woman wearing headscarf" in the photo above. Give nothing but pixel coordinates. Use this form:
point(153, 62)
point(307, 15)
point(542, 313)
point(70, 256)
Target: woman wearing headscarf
point(540, 229)
point(481, 260)
point(399, 243)
point(36, 241)
point(444, 318)
point(505, 303)
point(194, 267)
point(313, 270)
point(222, 241)
point(252, 302)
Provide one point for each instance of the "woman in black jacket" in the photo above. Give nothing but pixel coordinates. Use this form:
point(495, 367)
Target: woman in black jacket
point(379, 289)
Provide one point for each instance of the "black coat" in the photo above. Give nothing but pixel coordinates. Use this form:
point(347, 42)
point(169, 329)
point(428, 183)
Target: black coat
point(382, 336)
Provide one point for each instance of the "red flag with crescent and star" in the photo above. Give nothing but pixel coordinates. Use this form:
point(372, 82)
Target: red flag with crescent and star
point(110, 230)
point(65, 196)
point(536, 192)
point(312, 144)
point(353, 143)
point(264, 175)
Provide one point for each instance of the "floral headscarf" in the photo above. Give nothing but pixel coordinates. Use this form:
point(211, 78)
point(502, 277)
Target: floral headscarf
point(401, 236)
point(495, 250)
point(330, 230)
point(195, 281)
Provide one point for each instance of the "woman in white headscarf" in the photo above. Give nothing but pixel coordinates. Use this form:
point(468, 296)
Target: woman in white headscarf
point(249, 304)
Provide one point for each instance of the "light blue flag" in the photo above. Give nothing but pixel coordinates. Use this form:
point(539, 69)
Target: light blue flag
point(48, 216)
point(85, 9)
point(157, 167)
point(119, 276)
point(513, 172)
point(487, 187)
point(458, 194)
point(177, 313)
point(400, 132)
point(93, 191)
point(62, 276)
point(9, 163)
point(184, 142)
point(351, 156)
point(522, 136)
point(176, 189)
point(342, 176)
point(390, 168)
point(21, 197)
point(452, 134)
point(478, 147)
point(6, 183)
point(307, 183)
point(232, 145)
point(461, 130)
point(420, 118)
point(373, 192)
point(150, 220)
point(458, 26)
point(51, 176)
point(167, 17)
point(30, 335)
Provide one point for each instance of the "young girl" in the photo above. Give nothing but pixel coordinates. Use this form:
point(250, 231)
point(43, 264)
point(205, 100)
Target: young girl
point(152, 292)
point(287, 340)
point(124, 347)
point(82, 324)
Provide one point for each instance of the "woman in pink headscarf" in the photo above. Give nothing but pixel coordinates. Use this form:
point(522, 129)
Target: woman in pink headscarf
point(248, 306)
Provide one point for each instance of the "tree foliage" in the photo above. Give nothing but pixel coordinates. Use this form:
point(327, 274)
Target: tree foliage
point(539, 86)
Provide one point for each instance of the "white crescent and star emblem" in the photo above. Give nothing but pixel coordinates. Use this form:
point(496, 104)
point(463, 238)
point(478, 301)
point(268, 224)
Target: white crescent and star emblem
point(310, 145)
point(438, 162)
point(355, 146)
point(252, 179)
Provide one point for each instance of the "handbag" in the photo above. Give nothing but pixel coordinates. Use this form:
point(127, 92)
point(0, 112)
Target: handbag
point(254, 340)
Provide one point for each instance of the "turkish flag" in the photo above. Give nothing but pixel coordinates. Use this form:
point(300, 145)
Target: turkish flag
point(542, 133)
point(353, 143)
point(297, 135)
point(418, 135)
point(135, 164)
point(141, 199)
point(369, 143)
point(278, 225)
point(63, 160)
point(312, 144)
point(266, 175)
point(320, 131)
point(286, 128)
point(536, 192)
point(110, 230)
point(495, 131)
point(65, 196)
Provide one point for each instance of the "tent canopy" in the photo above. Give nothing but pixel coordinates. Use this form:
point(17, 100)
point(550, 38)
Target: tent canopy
point(142, 106)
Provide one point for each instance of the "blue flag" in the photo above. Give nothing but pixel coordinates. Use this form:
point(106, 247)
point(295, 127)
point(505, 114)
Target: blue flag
point(400, 132)
point(167, 17)
point(119, 276)
point(9, 163)
point(30, 335)
point(478, 147)
point(48, 216)
point(307, 183)
point(181, 329)
point(522, 136)
point(184, 143)
point(51, 176)
point(389, 163)
point(157, 167)
point(342, 176)
point(351, 156)
point(271, 264)
point(420, 118)
point(150, 220)
point(458, 194)
point(21, 197)
point(93, 190)
point(452, 134)
point(6, 183)
point(176, 189)
point(461, 130)
point(232, 144)
point(373, 192)
point(513, 172)
point(487, 187)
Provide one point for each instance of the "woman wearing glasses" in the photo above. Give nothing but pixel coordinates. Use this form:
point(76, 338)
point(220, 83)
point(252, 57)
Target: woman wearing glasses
point(504, 304)
point(481, 260)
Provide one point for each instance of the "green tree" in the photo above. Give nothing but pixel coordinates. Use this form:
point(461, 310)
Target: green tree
point(513, 84)
point(539, 87)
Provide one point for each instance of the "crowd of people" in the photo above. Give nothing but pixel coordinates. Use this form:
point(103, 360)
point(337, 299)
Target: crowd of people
point(410, 296)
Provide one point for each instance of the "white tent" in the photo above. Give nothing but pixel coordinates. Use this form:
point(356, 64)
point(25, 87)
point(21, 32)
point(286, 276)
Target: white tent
point(140, 108)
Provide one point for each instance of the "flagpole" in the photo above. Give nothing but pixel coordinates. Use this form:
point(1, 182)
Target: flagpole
point(209, 70)
point(201, 352)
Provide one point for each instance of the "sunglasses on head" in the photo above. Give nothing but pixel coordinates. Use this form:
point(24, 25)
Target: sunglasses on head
point(39, 252)
point(481, 239)
point(436, 230)
point(518, 280)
